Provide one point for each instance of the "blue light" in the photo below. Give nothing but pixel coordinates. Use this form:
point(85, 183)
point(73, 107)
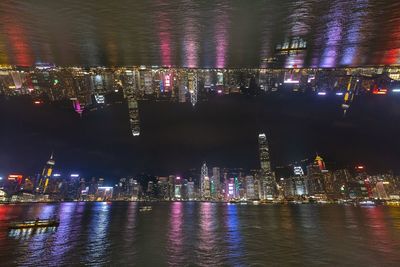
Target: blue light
point(321, 93)
point(339, 93)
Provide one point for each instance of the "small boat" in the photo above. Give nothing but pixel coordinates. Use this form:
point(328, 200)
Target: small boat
point(35, 224)
point(145, 208)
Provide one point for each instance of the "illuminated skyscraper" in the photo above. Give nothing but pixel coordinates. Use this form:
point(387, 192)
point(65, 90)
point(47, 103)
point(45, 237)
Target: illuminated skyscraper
point(215, 182)
point(130, 94)
point(192, 86)
point(204, 182)
point(45, 176)
point(268, 183)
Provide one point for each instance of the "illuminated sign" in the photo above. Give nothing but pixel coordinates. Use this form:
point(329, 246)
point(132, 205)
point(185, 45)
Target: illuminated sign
point(230, 189)
point(298, 171)
point(167, 80)
point(379, 91)
point(14, 177)
point(99, 99)
point(105, 188)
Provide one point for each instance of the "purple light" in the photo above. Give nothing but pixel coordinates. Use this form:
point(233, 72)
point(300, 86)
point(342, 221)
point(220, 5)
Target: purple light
point(321, 93)
point(74, 175)
point(220, 91)
point(178, 178)
point(339, 93)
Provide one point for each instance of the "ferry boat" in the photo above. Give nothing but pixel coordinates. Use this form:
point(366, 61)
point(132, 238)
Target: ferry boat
point(35, 224)
point(145, 208)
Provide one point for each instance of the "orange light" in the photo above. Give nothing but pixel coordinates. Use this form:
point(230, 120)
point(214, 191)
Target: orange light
point(379, 91)
point(360, 167)
point(14, 177)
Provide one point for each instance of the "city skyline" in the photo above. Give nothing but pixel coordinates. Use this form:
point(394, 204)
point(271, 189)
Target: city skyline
point(199, 133)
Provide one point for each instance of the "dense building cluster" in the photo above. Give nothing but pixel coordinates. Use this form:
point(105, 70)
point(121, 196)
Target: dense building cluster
point(90, 88)
point(317, 184)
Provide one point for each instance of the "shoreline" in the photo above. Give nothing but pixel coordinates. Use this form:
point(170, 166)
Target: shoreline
point(251, 203)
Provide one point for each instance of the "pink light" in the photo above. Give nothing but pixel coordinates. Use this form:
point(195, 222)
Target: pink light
point(167, 80)
point(178, 178)
point(164, 35)
point(221, 36)
point(191, 33)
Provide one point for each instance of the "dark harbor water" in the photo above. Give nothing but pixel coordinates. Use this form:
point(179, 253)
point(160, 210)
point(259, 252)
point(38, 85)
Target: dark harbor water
point(190, 33)
point(202, 234)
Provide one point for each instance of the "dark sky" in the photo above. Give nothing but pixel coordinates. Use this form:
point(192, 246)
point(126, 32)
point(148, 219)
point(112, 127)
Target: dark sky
point(176, 137)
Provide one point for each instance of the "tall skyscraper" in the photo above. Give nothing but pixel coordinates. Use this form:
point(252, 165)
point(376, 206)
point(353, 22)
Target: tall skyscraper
point(130, 92)
point(204, 182)
point(268, 183)
point(45, 176)
point(215, 185)
point(192, 86)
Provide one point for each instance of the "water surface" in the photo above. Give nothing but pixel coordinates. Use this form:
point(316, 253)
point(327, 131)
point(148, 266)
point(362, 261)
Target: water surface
point(190, 33)
point(203, 234)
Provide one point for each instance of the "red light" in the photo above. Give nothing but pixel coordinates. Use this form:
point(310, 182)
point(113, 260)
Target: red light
point(379, 91)
point(360, 167)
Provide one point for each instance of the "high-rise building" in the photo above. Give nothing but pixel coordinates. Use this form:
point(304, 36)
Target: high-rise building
point(250, 192)
point(192, 86)
point(316, 175)
point(46, 175)
point(178, 188)
point(130, 92)
point(190, 190)
point(268, 183)
point(215, 183)
point(204, 182)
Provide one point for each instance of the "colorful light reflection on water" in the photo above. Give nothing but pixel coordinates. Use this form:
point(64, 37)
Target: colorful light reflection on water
point(190, 33)
point(203, 234)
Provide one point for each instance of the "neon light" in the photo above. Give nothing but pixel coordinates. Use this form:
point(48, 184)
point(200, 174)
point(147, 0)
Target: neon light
point(167, 80)
point(396, 90)
point(379, 91)
point(290, 81)
point(74, 175)
point(339, 93)
point(321, 93)
point(56, 175)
